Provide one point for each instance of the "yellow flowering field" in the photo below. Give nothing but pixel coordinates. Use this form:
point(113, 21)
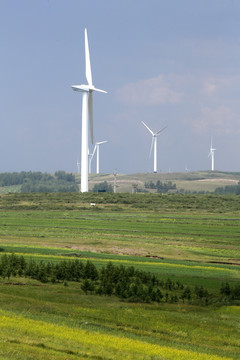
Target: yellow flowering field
point(61, 338)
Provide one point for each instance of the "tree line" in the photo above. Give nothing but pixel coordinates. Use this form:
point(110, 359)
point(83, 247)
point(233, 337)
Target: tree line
point(228, 190)
point(32, 182)
point(161, 187)
point(126, 283)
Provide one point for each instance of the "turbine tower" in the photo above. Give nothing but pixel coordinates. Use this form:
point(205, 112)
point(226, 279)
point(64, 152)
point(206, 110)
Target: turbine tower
point(97, 148)
point(211, 153)
point(154, 145)
point(87, 113)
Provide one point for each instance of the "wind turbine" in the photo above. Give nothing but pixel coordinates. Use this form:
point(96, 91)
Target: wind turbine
point(211, 153)
point(154, 145)
point(87, 113)
point(91, 155)
point(97, 148)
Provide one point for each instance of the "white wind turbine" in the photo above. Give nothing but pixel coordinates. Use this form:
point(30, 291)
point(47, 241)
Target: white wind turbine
point(211, 153)
point(97, 149)
point(91, 155)
point(87, 113)
point(154, 145)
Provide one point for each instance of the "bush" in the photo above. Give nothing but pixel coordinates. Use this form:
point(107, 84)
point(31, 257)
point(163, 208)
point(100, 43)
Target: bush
point(103, 187)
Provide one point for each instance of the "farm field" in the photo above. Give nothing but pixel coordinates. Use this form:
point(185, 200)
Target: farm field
point(191, 239)
point(187, 181)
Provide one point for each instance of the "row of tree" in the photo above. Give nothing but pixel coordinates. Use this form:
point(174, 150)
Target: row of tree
point(15, 178)
point(228, 190)
point(232, 293)
point(31, 182)
point(160, 186)
point(124, 282)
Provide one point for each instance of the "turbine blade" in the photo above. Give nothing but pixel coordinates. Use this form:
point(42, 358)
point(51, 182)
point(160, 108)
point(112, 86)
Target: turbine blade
point(82, 88)
point(90, 113)
point(94, 150)
point(87, 61)
point(147, 127)
point(151, 147)
point(99, 90)
point(157, 133)
point(101, 142)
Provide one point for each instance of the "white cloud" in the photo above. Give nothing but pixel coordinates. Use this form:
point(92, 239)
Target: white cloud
point(211, 103)
point(147, 92)
point(209, 87)
point(213, 85)
point(207, 103)
point(221, 120)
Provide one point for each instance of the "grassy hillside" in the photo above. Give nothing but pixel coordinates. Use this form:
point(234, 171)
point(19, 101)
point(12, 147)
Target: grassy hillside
point(58, 322)
point(188, 181)
point(206, 181)
point(193, 239)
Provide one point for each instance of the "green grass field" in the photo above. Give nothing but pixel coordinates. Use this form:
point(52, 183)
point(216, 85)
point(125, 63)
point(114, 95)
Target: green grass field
point(194, 239)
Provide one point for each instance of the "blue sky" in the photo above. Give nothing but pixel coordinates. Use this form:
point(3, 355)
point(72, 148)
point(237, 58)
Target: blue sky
point(168, 63)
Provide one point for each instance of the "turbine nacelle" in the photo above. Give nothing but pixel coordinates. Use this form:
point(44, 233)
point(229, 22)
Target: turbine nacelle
point(156, 133)
point(211, 151)
point(82, 88)
point(87, 88)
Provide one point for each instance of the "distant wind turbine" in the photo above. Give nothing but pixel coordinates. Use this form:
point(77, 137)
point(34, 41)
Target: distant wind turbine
point(97, 148)
point(87, 113)
point(154, 145)
point(211, 153)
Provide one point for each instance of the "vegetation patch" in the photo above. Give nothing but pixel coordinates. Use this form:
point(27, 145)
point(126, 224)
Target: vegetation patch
point(123, 282)
point(37, 182)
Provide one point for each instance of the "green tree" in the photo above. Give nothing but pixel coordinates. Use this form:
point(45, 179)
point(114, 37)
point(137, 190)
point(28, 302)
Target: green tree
point(87, 286)
point(103, 187)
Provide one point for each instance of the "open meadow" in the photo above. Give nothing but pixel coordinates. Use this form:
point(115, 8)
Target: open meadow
point(188, 241)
